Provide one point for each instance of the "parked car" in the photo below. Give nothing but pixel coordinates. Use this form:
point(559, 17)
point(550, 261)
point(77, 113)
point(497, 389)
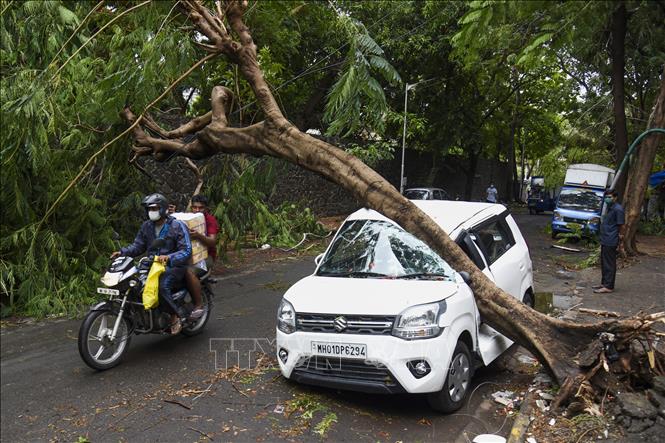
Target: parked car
point(426, 194)
point(383, 313)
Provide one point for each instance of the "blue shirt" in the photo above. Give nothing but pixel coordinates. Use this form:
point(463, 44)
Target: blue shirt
point(177, 244)
point(609, 226)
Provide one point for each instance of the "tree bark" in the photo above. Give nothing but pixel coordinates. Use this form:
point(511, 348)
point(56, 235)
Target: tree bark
point(556, 343)
point(617, 53)
point(640, 169)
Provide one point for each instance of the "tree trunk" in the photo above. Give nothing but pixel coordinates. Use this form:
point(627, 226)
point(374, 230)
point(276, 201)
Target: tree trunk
point(617, 52)
point(638, 175)
point(556, 343)
point(471, 174)
point(511, 194)
point(522, 167)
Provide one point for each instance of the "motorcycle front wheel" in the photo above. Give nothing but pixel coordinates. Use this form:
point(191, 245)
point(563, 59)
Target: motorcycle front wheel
point(95, 345)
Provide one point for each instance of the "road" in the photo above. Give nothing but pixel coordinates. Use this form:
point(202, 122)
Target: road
point(175, 389)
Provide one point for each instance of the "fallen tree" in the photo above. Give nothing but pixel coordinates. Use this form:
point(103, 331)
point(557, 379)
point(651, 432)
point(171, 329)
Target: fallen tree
point(575, 353)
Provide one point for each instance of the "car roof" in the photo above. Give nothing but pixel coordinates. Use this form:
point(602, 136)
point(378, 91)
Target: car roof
point(448, 214)
point(423, 189)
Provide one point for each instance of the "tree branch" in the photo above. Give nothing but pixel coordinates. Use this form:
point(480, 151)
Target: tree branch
point(191, 126)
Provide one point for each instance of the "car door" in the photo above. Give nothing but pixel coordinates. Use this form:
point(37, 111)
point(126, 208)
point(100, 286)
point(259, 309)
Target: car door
point(469, 244)
point(505, 261)
point(491, 343)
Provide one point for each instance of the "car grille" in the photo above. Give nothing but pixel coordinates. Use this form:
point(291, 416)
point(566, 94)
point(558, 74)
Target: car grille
point(346, 369)
point(355, 324)
point(575, 220)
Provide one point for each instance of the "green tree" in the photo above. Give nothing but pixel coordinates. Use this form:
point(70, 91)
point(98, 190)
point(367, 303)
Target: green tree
point(555, 342)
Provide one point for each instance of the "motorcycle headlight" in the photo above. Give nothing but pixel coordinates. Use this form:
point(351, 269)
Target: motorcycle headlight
point(594, 220)
point(421, 321)
point(286, 317)
point(557, 216)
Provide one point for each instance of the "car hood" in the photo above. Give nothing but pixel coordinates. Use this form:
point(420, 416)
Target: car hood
point(364, 296)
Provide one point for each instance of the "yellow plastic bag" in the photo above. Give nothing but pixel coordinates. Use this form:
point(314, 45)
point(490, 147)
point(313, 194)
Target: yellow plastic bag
point(151, 289)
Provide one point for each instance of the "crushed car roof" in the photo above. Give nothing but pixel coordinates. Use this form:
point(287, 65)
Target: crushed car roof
point(448, 214)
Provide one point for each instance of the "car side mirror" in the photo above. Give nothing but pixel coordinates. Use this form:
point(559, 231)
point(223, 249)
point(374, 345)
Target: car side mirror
point(466, 277)
point(318, 259)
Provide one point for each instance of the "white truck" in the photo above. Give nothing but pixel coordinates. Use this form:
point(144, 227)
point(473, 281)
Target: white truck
point(580, 201)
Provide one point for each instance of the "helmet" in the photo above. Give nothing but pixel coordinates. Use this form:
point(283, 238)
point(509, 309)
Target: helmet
point(155, 199)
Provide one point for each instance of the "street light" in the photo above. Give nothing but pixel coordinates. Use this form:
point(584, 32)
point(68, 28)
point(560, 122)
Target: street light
point(406, 95)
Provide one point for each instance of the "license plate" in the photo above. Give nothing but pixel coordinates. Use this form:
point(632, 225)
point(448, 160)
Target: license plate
point(351, 350)
point(108, 291)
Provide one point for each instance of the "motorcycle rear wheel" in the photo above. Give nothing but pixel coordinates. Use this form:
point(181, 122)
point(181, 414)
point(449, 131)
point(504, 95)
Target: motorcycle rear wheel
point(94, 343)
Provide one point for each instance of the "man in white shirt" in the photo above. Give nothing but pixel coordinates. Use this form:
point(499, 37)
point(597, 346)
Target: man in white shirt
point(492, 194)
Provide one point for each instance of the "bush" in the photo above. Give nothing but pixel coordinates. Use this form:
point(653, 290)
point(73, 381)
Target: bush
point(653, 226)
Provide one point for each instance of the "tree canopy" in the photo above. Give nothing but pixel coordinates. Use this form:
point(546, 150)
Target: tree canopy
point(504, 80)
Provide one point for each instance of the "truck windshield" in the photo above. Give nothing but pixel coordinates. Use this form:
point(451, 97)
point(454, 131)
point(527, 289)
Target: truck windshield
point(580, 200)
point(379, 249)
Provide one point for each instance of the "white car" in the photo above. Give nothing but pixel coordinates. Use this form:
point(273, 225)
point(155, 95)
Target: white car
point(383, 313)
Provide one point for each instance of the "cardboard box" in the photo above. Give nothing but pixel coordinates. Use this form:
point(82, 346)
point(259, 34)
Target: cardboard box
point(195, 222)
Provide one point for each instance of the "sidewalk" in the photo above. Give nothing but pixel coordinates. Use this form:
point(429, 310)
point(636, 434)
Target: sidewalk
point(640, 287)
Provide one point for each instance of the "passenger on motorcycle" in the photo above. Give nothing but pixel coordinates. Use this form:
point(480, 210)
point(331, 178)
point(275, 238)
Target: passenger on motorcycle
point(175, 251)
point(209, 239)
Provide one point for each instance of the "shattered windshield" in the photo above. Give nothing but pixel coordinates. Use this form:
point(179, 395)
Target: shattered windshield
point(379, 249)
point(580, 200)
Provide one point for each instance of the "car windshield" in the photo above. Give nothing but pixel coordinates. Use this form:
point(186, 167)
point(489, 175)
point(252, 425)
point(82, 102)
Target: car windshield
point(580, 200)
point(379, 249)
point(416, 194)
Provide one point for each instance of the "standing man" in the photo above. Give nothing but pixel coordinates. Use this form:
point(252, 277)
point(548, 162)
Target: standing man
point(611, 238)
point(174, 252)
point(200, 204)
point(492, 194)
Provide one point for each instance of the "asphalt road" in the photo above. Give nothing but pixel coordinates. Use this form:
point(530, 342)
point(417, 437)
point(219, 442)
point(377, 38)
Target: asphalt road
point(175, 389)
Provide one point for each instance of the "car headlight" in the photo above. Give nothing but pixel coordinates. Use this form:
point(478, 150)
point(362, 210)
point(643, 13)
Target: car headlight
point(286, 317)
point(421, 321)
point(557, 216)
point(594, 220)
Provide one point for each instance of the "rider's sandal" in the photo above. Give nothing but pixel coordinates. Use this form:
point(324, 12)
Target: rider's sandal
point(176, 327)
point(196, 314)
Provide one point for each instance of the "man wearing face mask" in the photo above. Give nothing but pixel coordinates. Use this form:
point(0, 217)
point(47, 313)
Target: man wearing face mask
point(611, 238)
point(174, 253)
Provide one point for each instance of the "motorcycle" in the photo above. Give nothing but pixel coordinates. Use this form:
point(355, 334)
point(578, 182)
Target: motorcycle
point(105, 333)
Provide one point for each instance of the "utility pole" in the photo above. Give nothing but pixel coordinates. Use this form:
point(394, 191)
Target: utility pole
point(406, 98)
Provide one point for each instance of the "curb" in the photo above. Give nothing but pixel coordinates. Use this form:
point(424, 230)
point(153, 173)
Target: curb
point(522, 421)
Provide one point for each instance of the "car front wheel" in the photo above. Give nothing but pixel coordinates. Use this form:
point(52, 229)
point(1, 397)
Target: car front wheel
point(458, 381)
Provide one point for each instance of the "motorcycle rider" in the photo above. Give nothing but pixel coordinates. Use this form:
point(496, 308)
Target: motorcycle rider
point(174, 253)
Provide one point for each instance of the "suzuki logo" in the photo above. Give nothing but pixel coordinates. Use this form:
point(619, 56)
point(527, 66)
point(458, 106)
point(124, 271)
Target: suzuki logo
point(340, 323)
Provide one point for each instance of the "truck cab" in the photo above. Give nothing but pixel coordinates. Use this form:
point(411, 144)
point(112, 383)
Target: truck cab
point(539, 198)
point(580, 201)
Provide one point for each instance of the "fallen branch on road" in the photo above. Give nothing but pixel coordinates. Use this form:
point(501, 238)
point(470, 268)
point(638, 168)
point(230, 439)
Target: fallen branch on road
point(202, 433)
point(176, 402)
point(599, 312)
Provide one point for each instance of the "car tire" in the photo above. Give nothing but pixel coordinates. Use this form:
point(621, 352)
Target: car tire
point(528, 299)
point(457, 383)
